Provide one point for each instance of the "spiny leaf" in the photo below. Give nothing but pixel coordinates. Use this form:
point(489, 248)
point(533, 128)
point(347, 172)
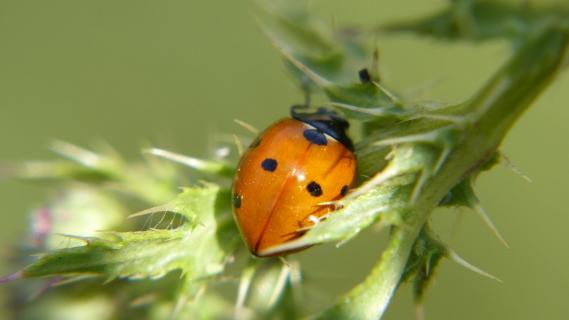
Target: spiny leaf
point(424, 258)
point(330, 61)
point(311, 42)
point(365, 96)
point(463, 195)
point(136, 254)
point(198, 252)
point(196, 204)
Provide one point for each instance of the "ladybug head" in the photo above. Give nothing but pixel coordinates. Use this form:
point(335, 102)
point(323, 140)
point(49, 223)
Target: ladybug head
point(326, 121)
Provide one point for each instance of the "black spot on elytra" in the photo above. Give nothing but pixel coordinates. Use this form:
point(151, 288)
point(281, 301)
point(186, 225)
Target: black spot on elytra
point(364, 75)
point(237, 200)
point(314, 189)
point(255, 143)
point(269, 164)
point(315, 136)
point(344, 191)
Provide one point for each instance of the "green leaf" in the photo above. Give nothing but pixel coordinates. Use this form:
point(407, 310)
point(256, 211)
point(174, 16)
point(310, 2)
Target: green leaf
point(127, 255)
point(196, 204)
point(199, 249)
point(330, 55)
point(423, 260)
point(329, 60)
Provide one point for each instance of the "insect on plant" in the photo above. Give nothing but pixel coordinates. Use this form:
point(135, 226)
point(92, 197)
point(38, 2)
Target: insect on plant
point(302, 182)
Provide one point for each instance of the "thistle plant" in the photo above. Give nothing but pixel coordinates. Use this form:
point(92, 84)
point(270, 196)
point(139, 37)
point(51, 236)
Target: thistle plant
point(179, 250)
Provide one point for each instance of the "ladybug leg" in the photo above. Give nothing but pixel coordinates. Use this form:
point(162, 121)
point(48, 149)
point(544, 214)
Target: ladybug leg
point(335, 204)
point(305, 87)
point(314, 219)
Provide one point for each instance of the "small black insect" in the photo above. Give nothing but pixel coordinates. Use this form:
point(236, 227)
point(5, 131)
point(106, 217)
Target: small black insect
point(364, 75)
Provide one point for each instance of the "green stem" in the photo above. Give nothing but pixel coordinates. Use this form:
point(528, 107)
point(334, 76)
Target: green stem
point(489, 116)
point(381, 283)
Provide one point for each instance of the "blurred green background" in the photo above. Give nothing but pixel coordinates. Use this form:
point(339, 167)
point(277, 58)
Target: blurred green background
point(175, 74)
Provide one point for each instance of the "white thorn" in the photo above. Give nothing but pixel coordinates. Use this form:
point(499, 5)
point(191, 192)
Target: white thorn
point(378, 179)
point(318, 79)
point(247, 126)
point(455, 225)
point(417, 91)
point(421, 180)
point(370, 111)
point(165, 208)
point(442, 158)
point(75, 153)
point(509, 164)
point(280, 285)
point(243, 290)
point(238, 145)
point(390, 95)
point(178, 158)
point(419, 311)
point(222, 152)
point(460, 261)
point(441, 117)
point(429, 137)
point(489, 223)
point(295, 273)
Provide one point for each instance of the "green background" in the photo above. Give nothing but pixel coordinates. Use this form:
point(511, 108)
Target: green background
point(175, 74)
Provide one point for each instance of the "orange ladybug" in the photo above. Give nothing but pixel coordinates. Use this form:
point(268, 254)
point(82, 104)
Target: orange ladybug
point(286, 175)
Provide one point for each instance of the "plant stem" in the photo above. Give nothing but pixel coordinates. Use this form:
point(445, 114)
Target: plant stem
point(380, 284)
point(489, 116)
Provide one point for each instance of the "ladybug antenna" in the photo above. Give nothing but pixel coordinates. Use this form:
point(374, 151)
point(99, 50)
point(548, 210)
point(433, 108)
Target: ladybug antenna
point(326, 121)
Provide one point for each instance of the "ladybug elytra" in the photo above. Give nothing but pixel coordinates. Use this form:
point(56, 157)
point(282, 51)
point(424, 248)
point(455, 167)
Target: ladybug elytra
point(286, 175)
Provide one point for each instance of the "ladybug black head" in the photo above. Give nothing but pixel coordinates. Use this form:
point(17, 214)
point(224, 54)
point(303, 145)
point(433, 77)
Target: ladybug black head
point(325, 121)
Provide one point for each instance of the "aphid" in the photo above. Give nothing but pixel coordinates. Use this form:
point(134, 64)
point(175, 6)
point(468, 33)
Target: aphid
point(364, 75)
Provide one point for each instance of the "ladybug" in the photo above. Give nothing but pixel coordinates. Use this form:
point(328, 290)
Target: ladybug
point(288, 174)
